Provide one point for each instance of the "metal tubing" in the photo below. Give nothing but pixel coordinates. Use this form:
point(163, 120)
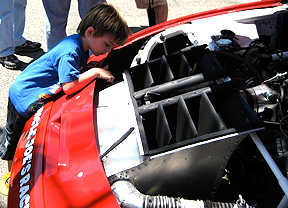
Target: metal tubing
point(283, 182)
point(280, 56)
point(283, 203)
point(129, 197)
point(174, 85)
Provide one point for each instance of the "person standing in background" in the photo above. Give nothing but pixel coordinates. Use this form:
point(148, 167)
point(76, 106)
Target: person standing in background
point(157, 10)
point(12, 24)
point(56, 16)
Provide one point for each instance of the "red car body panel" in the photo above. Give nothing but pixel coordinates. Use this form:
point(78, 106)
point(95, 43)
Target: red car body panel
point(65, 148)
point(188, 18)
point(57, 152)
point(201, 15)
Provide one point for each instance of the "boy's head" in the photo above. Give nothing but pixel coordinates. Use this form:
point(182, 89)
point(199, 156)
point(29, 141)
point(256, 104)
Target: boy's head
point(106, 20)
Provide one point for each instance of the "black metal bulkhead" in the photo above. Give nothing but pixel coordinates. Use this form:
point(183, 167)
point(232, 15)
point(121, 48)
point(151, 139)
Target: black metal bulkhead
point(190, 122)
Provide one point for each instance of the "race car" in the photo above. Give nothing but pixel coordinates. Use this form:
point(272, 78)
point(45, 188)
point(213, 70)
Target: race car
point(197, 117)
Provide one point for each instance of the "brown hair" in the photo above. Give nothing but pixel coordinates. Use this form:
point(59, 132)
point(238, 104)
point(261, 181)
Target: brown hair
point(106, 20)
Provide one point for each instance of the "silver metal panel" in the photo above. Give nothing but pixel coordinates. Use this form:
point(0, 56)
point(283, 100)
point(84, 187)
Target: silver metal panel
point(115, 116)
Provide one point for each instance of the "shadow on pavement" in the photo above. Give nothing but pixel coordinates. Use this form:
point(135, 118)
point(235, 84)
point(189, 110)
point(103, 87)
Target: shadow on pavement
point(34, 55)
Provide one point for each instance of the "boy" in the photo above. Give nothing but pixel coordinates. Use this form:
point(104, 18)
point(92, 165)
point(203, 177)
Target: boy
point(101, 28)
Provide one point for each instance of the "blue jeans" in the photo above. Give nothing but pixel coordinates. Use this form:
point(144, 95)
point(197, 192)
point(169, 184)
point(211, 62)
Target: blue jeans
point(56, 18)
point(12, 23)
point(12, 132)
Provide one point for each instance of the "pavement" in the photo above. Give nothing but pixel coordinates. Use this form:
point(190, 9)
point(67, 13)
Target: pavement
point(136, 19)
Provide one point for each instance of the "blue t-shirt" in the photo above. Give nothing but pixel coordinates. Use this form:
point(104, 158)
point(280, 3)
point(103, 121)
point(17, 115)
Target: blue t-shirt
point(43, 77)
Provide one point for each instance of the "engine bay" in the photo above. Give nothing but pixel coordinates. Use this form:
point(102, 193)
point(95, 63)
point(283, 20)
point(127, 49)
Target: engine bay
point(194, 94)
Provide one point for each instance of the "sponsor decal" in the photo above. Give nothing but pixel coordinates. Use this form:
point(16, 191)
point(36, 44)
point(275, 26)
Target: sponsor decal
point(54, 89)
point(24, 186)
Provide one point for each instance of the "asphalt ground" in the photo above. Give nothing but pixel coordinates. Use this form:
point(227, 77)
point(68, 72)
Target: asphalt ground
point(136, 19)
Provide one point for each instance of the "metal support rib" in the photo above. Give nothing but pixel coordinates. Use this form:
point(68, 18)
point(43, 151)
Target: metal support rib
point(283, 182)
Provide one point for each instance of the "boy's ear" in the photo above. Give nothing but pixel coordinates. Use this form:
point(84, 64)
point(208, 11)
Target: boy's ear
point(89, 32)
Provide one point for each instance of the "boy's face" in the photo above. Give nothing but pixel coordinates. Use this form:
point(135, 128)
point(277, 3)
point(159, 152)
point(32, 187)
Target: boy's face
point(101, 45)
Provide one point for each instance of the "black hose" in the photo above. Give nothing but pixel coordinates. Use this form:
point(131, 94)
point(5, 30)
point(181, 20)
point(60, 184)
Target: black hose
point(209, 204)
point(231, 55)
point(161, 201)
point(170, 202)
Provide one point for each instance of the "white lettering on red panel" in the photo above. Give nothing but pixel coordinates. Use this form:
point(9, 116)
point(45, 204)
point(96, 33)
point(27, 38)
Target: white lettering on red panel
point(24, 186)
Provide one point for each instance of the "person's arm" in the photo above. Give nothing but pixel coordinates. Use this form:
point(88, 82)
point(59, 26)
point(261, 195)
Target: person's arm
point(85, 78)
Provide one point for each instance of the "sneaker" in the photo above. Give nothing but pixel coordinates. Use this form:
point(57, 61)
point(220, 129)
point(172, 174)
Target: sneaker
point(11, 62)
point(28, 46)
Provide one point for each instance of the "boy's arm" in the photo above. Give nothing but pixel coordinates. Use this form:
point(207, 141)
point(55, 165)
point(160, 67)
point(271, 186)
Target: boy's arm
point(85, 78)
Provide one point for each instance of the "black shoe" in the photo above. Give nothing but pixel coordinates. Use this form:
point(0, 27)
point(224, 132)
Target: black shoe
point(28, 46)
point(11, 62)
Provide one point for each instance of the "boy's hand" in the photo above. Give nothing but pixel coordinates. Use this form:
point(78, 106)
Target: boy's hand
point(103, 73)
point(85, 78)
